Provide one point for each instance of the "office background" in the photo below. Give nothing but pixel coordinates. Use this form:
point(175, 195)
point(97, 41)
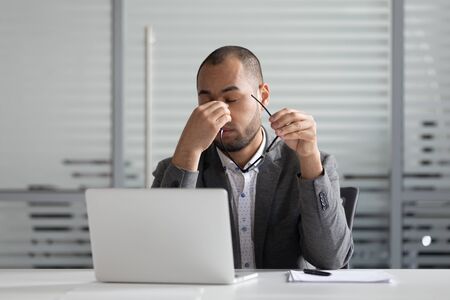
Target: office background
point(95, 93)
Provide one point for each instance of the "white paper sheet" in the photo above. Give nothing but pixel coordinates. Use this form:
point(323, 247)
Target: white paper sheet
point(367, 276)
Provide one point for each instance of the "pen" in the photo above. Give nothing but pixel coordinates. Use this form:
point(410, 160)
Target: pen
point(316, 272)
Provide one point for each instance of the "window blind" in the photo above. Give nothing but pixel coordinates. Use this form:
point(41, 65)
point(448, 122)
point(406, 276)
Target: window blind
point(55, 127)
point(55, 116)
point(44, 230)
point(328, 58)
point(426, 203)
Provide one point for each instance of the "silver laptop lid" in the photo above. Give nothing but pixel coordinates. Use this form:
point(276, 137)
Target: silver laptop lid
point(160, 235)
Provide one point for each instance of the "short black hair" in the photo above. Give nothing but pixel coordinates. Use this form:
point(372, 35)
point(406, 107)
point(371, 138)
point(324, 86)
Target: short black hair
point(246, 57)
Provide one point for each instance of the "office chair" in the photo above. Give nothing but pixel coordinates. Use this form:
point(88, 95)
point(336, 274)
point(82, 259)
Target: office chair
point(349, 196)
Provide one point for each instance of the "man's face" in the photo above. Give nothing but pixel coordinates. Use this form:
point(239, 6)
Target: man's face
point(228, 82)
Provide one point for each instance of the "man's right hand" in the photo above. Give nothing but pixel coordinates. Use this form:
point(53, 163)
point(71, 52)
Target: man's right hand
point(199, 133)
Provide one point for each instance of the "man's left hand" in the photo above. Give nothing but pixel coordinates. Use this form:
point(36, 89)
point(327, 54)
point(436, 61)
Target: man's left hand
point(297, 129)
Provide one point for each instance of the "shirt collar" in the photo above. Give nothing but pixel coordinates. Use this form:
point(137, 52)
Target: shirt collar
point(229, 164)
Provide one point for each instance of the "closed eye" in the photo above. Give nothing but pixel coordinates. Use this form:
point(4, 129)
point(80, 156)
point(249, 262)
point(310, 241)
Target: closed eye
point(230, 100)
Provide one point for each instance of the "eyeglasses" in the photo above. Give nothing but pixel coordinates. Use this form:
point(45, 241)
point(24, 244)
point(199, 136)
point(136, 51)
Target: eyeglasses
point(261, 158)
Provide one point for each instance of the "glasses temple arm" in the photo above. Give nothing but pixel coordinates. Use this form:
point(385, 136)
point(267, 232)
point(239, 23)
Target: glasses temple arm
point(262, 105)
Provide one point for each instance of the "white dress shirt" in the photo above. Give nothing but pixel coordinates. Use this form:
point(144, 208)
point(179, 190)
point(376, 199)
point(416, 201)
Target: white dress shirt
point(243, 187)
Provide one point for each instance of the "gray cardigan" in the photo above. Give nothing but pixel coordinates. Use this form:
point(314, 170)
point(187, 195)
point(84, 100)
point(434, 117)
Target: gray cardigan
point(294, 218)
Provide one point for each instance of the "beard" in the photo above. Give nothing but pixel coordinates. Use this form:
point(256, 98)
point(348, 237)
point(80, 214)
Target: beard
point(241, 141)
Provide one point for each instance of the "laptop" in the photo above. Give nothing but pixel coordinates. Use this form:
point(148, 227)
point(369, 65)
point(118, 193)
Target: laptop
point(162, 236)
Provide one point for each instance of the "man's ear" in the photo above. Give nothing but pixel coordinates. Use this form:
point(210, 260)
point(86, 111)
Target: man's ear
point(265, 93)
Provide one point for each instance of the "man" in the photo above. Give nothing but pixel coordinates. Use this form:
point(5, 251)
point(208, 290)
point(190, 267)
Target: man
point(284, 195)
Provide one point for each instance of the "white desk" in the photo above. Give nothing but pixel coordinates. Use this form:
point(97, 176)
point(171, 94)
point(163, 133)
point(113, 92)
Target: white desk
point(80, 284)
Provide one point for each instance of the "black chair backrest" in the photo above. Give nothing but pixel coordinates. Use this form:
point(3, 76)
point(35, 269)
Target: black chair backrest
point(349, 197)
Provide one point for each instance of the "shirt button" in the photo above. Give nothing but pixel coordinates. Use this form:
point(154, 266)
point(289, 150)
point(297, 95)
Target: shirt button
point(242, 195)
point(247, 265)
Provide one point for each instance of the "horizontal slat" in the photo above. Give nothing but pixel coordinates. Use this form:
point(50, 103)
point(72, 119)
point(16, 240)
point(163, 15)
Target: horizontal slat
point(426, 221)
point(45, 262)
point(53, 249)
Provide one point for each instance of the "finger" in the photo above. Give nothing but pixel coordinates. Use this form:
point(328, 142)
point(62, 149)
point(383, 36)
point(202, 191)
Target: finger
point(307, 135)
point(278, 114)
point(282, 112)
point(212, 112)
point(205, 106)
point(288, 118)
point(222, 120)
point(211, 106)
point(217, 113)
point(295, 126)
